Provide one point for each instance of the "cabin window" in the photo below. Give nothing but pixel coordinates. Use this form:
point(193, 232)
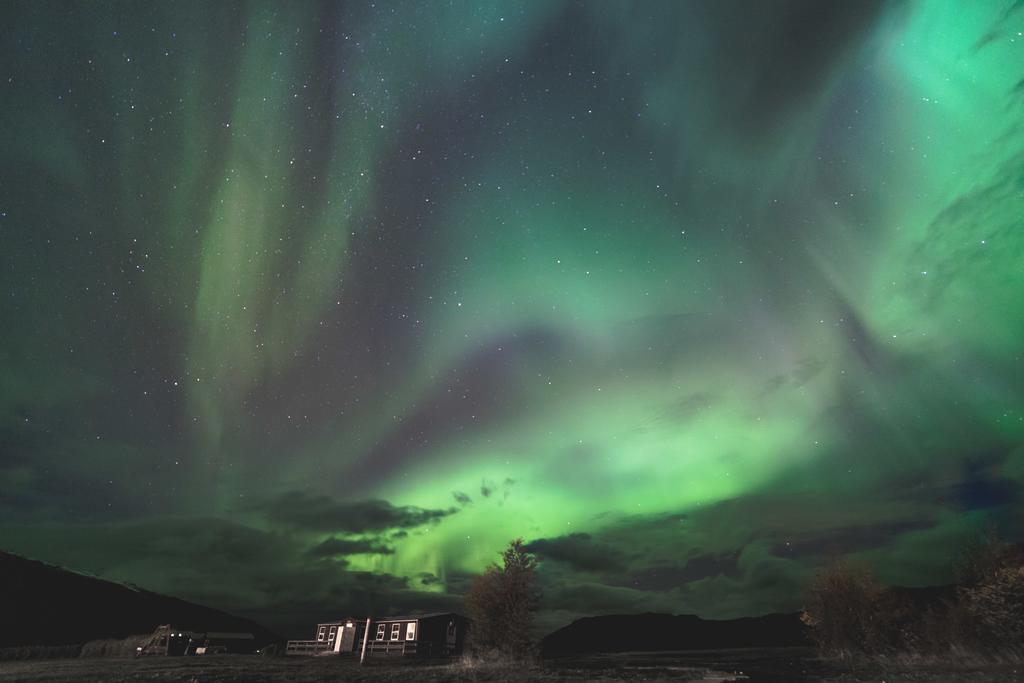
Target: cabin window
point(334, 632)
point(396, 630)
point(380, 632)
point(451, 629)
point(320, 634)
point(410, 631)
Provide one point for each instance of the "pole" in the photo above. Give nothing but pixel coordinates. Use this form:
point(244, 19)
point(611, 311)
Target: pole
point(366, 637)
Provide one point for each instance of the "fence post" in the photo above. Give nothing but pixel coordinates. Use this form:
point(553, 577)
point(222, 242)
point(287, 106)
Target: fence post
point(366, 636)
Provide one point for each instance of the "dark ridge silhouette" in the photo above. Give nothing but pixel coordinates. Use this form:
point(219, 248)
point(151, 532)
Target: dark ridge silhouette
point(657, 632)
point(41, 604)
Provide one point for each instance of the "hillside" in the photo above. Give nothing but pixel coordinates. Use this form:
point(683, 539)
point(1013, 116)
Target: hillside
point(654, 632)
point(47, 605)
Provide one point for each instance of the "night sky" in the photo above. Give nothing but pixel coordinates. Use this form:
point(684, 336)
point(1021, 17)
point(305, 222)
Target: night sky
point(307, 309)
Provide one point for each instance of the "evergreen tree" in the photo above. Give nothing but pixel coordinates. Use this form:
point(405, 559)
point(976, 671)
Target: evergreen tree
point(502, 603)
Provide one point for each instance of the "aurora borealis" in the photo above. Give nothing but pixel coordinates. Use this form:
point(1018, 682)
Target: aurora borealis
point(309, 308)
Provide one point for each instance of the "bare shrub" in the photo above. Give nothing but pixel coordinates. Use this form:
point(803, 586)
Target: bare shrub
point(851, 613)
point(997, 606)
point(947, 629)
point(991, 595)
point(981, 557)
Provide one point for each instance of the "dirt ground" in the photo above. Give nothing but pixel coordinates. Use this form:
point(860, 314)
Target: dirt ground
point(775, 666)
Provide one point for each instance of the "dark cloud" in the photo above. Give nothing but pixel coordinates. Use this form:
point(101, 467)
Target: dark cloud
point(428, 579)
point(981, 487)
point(670, 522)
point(45, 474)
point(667, 577)
point(972, 482)
point(458, 582)
point(845, 540)
point(983, 493)
point(313, 512)
point(334, 547)
point(579, 551)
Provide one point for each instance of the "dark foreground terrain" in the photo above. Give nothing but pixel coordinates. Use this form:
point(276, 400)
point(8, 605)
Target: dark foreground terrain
point(780, 665)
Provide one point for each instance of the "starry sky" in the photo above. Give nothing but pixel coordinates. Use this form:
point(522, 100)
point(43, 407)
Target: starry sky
point(308, 308)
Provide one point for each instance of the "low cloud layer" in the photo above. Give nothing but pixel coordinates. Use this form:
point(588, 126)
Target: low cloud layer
point(313, 512)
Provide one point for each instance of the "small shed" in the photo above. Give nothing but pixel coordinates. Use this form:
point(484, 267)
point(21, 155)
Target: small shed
point(441, 634)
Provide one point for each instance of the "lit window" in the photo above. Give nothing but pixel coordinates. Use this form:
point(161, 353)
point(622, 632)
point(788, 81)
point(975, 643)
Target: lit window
point(396, 630)
point(410, 631)
point(321, 633)
point(380, 632)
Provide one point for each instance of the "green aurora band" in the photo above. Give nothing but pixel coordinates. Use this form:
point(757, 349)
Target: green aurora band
point(689, 295)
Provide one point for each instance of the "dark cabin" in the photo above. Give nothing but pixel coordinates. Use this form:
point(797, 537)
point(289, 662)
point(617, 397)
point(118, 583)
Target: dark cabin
point(441, 634)
point(168, 641)
point(331, 638)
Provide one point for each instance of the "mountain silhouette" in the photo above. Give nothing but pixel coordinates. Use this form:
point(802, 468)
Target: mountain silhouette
point(651, 632)
point(47, 605)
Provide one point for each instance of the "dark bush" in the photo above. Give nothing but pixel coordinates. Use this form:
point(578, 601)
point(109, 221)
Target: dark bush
point(997, 607)
point(851, 613)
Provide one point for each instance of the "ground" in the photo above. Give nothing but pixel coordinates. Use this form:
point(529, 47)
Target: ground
point(783, 665)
